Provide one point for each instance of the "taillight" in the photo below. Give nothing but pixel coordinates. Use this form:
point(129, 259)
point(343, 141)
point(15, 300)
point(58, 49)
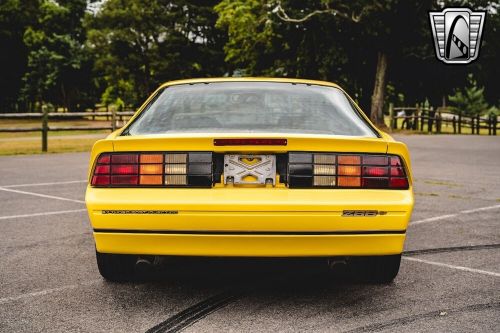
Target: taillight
point(165, 169)
point(330, 170)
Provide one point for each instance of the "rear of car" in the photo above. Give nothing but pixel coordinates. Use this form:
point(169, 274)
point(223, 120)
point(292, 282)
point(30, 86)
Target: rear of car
point(250, 168)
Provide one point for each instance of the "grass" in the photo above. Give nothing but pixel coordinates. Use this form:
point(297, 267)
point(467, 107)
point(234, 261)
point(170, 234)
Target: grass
point(27, 123)
point(31, 142)
point(54, 146)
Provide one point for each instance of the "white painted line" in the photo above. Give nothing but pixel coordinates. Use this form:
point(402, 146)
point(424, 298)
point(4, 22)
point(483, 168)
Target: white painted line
point(460, 268)
point(45, 292)
point(40, 195)
point(448, 216)
point(45, 184)
point(42, 214)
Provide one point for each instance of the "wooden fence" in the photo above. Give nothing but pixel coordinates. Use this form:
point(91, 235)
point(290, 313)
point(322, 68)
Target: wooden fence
point(433, 121)
point(112, 116)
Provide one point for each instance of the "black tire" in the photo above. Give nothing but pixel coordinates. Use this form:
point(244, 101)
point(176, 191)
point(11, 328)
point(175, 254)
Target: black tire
point(376, 269)
point(116, 267)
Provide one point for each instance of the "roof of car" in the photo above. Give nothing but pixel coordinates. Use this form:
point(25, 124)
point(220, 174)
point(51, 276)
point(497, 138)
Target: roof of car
point(250, 79)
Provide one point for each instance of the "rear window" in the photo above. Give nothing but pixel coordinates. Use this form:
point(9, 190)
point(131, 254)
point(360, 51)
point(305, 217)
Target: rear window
point(250, 107)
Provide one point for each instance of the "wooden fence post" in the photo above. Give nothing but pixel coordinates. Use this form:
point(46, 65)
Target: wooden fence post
point(430, 119)
point(490, 122)
point(460, 123)
point(391, 116)
point(113, 119)
point(423, 114)
point(415, 117)
point(45, 128)
point(478, 125)
point(454, 123)
point(494, 124)
point(438, 122)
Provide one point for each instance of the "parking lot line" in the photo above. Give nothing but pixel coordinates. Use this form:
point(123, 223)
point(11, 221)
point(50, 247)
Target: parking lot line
point(460, 268)
point(447, 216)
point(45, 184)
point(40, 195)
point(42, 214)
point(46, 291)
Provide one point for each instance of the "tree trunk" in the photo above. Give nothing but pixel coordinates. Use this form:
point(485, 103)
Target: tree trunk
point(377, 109)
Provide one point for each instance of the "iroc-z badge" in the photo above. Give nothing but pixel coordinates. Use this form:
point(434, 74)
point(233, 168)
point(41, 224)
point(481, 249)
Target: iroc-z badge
point(457, 34)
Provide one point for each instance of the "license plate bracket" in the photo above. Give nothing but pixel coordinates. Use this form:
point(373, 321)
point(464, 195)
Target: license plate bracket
point(249, 169)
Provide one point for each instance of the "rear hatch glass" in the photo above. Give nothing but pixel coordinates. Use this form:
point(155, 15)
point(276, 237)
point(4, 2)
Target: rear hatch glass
point(250, 107)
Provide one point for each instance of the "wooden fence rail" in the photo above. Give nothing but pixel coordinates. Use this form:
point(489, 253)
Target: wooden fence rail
point(432, 121)
point(45, 116)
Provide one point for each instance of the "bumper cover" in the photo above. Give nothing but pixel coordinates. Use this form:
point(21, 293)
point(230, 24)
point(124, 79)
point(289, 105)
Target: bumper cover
point(270, 222)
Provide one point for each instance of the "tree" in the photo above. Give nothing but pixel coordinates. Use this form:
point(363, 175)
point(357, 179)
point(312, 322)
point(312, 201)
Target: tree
point(470, 99)
point(140, 44)
point(56, 57)
point(15, 16)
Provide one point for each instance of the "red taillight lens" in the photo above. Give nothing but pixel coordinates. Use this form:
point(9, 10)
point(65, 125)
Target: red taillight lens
point(346, 171)
point(124, 180)
point(398, 183)
point(169, 169)
point(374, 171)
point(124, 169)
point(124, 158)
point(101, 169)
point(104, 159)
point(100, 180)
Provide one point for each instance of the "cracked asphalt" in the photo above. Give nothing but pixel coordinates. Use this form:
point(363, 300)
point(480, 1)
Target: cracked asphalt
point(49, 281)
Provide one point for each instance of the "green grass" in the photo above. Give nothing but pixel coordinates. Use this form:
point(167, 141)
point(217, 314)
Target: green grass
point(54, 146)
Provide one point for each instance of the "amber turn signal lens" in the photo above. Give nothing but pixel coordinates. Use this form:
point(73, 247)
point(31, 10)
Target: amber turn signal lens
point(349, 170)
point(151, 169)
point(150, 180)
point(151, 158)
point(349, 181)
point(349, 159)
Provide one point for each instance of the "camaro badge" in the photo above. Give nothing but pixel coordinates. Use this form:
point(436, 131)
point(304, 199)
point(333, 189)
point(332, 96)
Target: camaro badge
point(457, 34)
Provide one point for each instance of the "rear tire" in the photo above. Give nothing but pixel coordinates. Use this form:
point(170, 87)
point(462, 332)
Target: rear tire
point(116, 267)
point(376, 269)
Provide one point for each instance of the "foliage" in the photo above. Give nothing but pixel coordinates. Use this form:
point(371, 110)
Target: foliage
point(55, 55)
point(15, 17)
point(470, 100)
point(74, 55)
point(139, 44)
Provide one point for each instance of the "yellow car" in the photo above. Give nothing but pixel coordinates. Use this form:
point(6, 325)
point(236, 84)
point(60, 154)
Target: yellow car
point(250, 167)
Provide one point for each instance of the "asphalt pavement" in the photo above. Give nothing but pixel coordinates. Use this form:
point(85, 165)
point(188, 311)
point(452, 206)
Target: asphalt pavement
point(449, 279)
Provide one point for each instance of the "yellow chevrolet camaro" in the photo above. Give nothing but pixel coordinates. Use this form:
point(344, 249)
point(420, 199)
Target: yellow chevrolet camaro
point(250, 167)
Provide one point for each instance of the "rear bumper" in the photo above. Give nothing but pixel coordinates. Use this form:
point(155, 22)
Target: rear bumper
point(253, 245)
point(248, 221)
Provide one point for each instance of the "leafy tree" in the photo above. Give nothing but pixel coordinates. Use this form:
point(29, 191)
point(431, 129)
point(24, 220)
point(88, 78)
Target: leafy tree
point(142, 43)
point(342, 40)
point(56, 57)
point(15, 16)
point(364, 45)
point(470, 100)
